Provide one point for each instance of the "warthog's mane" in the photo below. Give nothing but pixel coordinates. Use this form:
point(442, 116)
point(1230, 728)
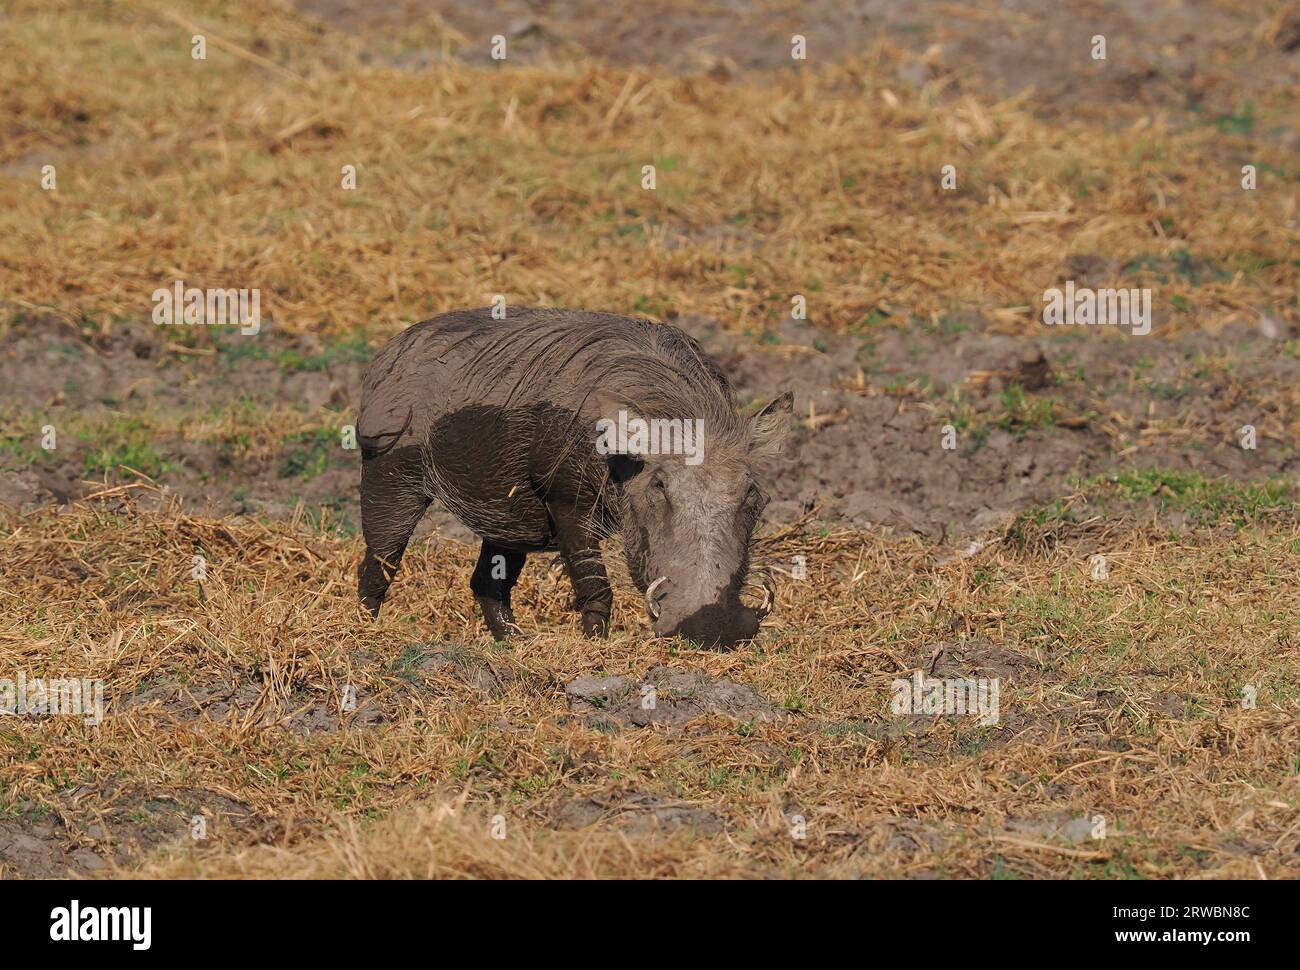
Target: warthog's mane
point(596, 364)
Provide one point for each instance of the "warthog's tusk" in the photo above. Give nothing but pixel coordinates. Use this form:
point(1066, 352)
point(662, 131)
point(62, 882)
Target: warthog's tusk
point(769, 597)
point(650, 597)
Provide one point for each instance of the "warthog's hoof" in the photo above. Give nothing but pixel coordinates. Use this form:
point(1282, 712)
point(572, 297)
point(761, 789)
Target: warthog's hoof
point(595, 626)
point(500, 618)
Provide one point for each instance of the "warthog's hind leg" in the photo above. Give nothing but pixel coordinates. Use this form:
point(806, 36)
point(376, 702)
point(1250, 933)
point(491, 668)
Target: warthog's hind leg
point(390, 510)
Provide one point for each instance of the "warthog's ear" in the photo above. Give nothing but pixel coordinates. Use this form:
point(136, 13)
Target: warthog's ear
point(770, 428)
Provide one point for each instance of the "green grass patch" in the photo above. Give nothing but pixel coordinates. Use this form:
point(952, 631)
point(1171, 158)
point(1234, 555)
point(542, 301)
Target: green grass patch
point(308, 453)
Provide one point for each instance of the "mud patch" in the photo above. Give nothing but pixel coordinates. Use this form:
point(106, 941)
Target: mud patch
point(664, 698)
point(428, 665)
point(637, 813)
point(97, 828)
point(996, 693)
point(382, 694)
point(980, 658)
point(1059, 827)
point(1032, 416)
point(303, 712)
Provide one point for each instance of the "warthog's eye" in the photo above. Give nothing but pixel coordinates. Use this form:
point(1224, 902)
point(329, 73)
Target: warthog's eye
point(754, 498)
point(658, 484)
point(624, 467)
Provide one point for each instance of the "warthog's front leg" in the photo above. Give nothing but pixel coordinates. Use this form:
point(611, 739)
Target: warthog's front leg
point(494, 577)
point(592, 597)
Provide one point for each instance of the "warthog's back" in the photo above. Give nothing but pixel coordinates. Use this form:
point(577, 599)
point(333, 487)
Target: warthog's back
point(467, 359)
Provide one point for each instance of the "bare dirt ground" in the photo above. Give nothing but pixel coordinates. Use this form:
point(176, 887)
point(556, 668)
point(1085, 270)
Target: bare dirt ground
point(312, 743)
point(1033, 418)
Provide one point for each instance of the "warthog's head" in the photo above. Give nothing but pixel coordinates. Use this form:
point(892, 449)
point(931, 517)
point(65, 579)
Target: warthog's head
point(688, 522)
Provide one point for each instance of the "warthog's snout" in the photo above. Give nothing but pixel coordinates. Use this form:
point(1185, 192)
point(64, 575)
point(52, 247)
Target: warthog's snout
point(712, 625)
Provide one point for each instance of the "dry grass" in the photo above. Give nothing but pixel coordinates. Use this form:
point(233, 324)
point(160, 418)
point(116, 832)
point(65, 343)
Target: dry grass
point(1119, 698)
point(526, 182)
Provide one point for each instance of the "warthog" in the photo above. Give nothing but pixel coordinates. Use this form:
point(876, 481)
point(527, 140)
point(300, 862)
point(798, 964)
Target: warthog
point(534, 430)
